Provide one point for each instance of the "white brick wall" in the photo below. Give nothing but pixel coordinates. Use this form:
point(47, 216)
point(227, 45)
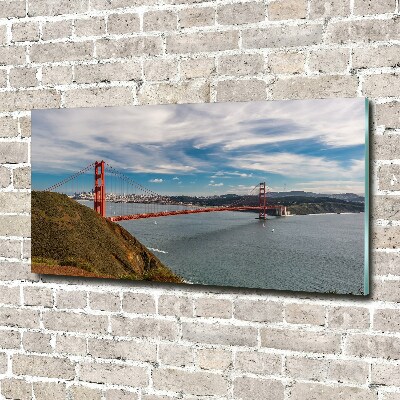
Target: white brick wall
point(66, 338)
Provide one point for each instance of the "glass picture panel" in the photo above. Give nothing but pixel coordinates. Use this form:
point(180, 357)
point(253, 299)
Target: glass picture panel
point(266, 195)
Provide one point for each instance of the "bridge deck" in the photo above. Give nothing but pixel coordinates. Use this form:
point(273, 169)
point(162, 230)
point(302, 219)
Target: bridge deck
point(182, 212)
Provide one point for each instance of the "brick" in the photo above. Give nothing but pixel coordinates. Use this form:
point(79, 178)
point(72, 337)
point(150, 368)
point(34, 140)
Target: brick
point(82, 392)
point(10, 248)
point(119, 24)
point(25, 126)
point(314, 87)
point(121, 394)
point(71, 299)
point(104, 301)
point(94, 26)
point(258, 389)
point(57, 75)
point(15, 202)
point(3, 363)
point(191, 17)
point(372, 346)
point(368, 7)
point(74, 322)
point(387, 290)
point(26, 248)
point(16, 389)
point(12, 8)
point(107, 72)
point(25, 31)
point(5, 177)
point(386, 320)
point(38, 296)
point(382, 85)
point(297, 340)
point(139, 303)
point(214, 359)
point(16, 271)
point(22, 178)
point(307, 368)
point(179, 306)
point(128, 47)
point(305, 314)
point(8, 127)
point(390, 396)
point(202, 42)
point(114, 374)
point(385, 374)
point(213, 308)
point(124, 350)
point(3, 78)
point(194, 91)
point(257, 362)
point(386, 207)
point(388, 114)
point(159, 21)
point(10, 339)
point(389, 177)
point(362, 31)
point(9, 295)
point(258, 311)
point(23, 77)
point(282, 36)
point(52, 8)
point(385, 263)
point(115, 4)
point(229, 335)
point(387, 237)
point(241, 64)
point(241, 13)
point(57, 30)
point(302, 391)
point(12, 55)
point(241, 90)
point(287, 9)
point(175, 355)
point(385, 147)
point(329, 8)
point(144, 328)
point(160, 70)
point(37, 342)
point(15, 225)
point(348, 318)
point(48, 367)
point(329, 61)
point(197, 68)
point(352, 372)
point(13, 152)
point(55, 52)
point(194, 383)
point(27, 100)
point(98, 97)
point(376, 56)
point(70, 345)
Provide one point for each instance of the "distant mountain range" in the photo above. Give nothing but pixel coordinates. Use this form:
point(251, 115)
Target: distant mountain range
point(299, 193)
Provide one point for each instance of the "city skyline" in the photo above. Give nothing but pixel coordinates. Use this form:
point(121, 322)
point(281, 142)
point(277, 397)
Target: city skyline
point(209, 149)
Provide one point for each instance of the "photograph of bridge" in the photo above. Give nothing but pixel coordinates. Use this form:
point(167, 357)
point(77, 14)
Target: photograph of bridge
point(270, 195)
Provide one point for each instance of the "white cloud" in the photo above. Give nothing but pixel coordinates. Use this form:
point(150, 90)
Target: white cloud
point(156, 180)
point(175, 178)
point(216, 184)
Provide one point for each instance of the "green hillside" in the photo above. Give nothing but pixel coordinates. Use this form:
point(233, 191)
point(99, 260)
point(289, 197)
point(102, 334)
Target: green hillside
point(69, 238)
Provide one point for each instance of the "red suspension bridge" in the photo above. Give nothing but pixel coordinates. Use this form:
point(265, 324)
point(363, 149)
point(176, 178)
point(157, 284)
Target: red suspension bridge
point(123, 190)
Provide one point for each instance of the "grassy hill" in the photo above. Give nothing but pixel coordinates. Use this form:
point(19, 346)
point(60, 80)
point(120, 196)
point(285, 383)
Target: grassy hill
point(71, 239)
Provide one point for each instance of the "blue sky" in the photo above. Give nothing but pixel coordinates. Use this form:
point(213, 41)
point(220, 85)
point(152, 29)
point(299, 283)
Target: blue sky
point(204, 149)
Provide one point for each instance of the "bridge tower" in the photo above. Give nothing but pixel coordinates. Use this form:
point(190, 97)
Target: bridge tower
point(99, 188)
point(262, 202)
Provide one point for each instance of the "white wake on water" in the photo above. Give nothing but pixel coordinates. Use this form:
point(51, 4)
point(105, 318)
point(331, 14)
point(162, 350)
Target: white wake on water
point(158, 250)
